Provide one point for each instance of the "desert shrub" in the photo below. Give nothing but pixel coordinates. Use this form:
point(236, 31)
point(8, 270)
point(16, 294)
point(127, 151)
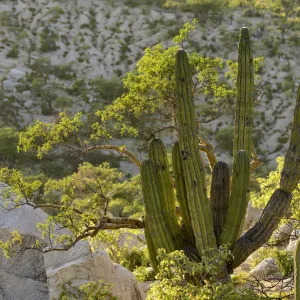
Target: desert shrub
point(13, 52)
point(176, 269)
point(135, 257)
point(285, 261)
point(224, 138)
point(144, 274)
point(90, 291)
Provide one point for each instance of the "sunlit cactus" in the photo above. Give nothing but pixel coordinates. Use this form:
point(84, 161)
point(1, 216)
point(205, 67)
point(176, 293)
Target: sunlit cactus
point(209, 223)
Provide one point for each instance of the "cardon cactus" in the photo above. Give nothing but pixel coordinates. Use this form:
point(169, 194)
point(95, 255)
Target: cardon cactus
point(209, 223)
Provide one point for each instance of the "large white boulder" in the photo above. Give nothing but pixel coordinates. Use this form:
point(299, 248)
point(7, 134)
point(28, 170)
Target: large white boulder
point(79, 265)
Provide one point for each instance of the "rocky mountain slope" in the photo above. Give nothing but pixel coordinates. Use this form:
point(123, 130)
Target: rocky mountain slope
point(51, 50)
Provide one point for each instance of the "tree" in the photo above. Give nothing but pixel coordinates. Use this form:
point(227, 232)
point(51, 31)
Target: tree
point(161, 97)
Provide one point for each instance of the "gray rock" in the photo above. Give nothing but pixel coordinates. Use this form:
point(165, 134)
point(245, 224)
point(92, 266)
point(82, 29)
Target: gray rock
point(23, 277)
point(15, 75)
point(80, 266)
point(9, 86)
point(23, 219)
point(266, 269)
point(282, 234)
point(146, 285)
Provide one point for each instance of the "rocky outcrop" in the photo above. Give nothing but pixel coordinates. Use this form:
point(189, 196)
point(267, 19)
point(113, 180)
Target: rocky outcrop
point(79, 266)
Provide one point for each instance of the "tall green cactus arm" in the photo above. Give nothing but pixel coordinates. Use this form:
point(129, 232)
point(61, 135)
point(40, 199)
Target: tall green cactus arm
point(244, 103)
point(219, 196)
point(158, 154)
point(238, 202)
point(192, 165)
point(181, 195)
point(161, 225)
point(259, 234)
point(297, 271)
point(290, 175)
point(279, 203)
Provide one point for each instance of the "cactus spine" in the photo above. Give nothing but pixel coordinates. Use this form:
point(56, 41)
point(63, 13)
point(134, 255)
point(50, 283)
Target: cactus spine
point(297, 271)
point(192, 165)
point(244, 102)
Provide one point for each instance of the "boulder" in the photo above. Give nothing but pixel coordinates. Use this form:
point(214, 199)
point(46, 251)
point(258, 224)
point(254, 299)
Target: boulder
point(266, 270)
point(282, 235)
point(15, 75)
point(8, 85)
point(23, 277)
point(79, 266)
point(23, 219)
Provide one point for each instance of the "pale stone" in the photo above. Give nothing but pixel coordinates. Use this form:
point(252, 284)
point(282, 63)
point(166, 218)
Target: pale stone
point(23, 276)
point(15, 74)
point(79, 266)
point(266, 269)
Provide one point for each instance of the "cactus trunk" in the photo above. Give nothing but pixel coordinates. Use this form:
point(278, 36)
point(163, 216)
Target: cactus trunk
point(192, 165)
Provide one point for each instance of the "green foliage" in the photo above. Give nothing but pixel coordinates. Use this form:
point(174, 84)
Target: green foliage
point(285, 260)
point(135, 257)
point(89, 291)
point(192, 5)
point(144, 274)
point(47, 40)
point(106, 90)
point(174, 270)
point(224, 138)
point(150, 97)
point(85, 197)
point(63, 102)
point(8, 145)
point(51, 134)
point(184, 33)
point(55, 12)
point(13, 52)
point(268, 185)
point(10, 246)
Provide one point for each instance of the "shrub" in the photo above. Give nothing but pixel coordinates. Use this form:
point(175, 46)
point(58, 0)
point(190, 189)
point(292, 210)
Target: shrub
point(13, 52)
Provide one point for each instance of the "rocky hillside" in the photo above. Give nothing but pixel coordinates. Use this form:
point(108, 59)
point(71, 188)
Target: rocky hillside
point(53, 50)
